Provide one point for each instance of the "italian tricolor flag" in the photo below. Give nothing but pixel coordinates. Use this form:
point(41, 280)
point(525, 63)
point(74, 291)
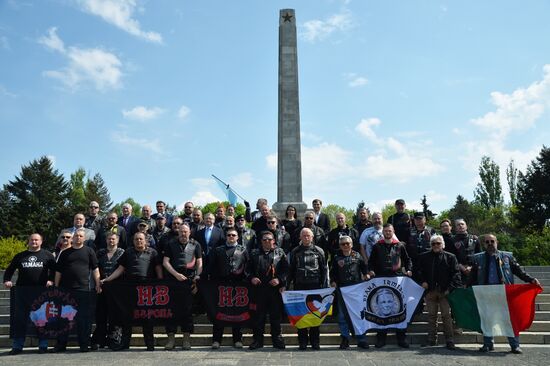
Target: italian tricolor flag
point(495, 310)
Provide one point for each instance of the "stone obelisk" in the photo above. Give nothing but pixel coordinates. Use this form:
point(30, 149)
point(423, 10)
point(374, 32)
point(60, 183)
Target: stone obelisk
point(289, 169)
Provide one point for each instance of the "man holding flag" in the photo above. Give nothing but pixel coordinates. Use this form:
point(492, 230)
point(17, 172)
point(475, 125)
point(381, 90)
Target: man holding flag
point(495, 267)
point(308, 271)
point(389, 258)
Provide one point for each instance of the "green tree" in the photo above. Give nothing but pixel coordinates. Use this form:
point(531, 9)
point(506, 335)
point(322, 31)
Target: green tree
point(331, 211)
point(533, 194)
point(427, 212)
point(488, 192)
point(37, 201)
point(512, 179)
point(211, 207)
point(77, 191)
point(96, 190)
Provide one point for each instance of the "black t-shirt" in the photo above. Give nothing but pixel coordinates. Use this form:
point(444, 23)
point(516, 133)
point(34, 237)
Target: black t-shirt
point(139, 265)
point(183, 257)
point(34, 268)
point(75, 266)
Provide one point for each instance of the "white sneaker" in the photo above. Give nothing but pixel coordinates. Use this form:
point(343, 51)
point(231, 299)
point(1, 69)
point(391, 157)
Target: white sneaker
point(215, 345)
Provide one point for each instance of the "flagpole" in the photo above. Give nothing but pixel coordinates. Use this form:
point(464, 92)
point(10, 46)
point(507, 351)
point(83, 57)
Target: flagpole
point(227, 185)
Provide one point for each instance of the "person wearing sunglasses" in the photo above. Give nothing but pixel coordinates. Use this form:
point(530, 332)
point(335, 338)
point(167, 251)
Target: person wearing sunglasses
point(494, 267)
point(227, 263)
point(439, 274)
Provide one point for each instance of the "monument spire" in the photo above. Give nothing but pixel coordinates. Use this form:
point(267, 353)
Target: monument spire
point(289, 168)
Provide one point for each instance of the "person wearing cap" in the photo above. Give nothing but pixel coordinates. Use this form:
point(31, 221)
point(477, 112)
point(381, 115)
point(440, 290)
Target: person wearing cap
point(419, 239)
point(146, 212)
point(160, 231)
point(494, 267)
point(401, 221)
point(438, 273)
point(247, 237)
point(143, 227)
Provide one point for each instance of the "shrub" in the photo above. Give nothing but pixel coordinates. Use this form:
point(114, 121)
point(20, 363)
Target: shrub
point(9, 247)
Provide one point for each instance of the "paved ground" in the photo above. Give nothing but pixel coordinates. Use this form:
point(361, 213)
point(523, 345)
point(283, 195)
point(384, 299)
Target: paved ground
point(326, 356)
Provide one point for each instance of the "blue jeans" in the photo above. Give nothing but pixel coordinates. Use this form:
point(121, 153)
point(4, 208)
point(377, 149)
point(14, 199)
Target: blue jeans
point(19, 342)
point(513, 341)
point(342, 322)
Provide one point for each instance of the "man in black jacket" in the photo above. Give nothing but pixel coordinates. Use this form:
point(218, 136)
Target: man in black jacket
point(438, 272)
point(308, 271)
point(267, 270)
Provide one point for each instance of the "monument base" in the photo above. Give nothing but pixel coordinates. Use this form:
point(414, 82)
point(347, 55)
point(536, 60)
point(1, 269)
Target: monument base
point(280, 209)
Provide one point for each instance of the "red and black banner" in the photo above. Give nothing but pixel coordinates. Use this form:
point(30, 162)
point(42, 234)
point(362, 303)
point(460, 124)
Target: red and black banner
point(48, 312)
point(154, 302)
point(229, 303)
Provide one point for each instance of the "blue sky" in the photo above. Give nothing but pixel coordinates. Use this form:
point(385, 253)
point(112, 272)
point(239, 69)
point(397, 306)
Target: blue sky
point(397, 98)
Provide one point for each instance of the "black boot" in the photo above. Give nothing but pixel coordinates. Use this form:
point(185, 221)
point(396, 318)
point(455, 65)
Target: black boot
point(278, 342)
point(344, 343)
point(380, 339)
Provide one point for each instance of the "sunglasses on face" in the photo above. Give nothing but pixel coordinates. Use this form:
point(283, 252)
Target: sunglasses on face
point(490, 241)
point(231, 234)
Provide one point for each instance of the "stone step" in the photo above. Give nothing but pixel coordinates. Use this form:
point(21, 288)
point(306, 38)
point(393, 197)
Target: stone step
point(327, 339)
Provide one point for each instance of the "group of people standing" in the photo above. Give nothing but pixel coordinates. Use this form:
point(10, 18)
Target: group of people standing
point(270, 253)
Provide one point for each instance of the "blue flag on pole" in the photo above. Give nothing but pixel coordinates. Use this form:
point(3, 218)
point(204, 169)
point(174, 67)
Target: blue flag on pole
point(231, 196)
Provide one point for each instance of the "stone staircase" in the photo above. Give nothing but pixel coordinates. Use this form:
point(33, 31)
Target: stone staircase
point(538, 335)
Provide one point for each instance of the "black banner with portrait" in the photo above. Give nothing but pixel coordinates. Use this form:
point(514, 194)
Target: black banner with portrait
point(229, 303)
point(49, 312)
point(154, 302)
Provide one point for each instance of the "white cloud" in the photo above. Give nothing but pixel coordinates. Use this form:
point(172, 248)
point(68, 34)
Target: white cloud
point(201, 198)
point(52, 41)
point(120, 14)
point(355, 80)
point(5, 92)
point(401, 168)
point(241, 180)
point(365, 127)
point(271, 161)
point(52, 158)
point(93, 65)
point(321, 162)
point(518, 110)
point(183, 112)
point(310, 136)
point(318, 30)
point(404, 159)
point(142, 113)
point(151, 145)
